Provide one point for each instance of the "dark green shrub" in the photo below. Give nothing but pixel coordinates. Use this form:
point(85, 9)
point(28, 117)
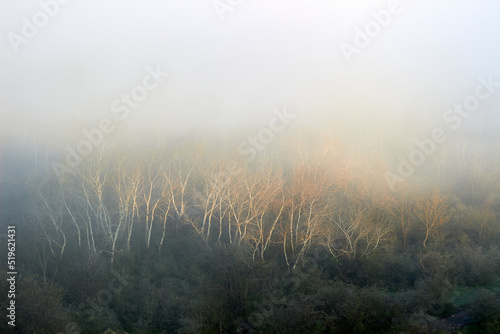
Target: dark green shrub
point(476, 266)
point(39, 307)
point(485, 311)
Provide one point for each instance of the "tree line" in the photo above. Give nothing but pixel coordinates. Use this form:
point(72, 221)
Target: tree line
point(308, 196)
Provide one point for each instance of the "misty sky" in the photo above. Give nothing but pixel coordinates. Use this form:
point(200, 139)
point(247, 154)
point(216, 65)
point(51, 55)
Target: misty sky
point(228, 74)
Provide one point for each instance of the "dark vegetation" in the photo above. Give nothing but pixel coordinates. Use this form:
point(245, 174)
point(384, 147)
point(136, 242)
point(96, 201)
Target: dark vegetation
point(181, 240)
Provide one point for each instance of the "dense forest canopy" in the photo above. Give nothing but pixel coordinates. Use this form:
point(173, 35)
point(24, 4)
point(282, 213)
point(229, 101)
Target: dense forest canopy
point(196, 219)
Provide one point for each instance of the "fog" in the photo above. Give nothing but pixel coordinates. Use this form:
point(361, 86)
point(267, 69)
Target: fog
point(363, 96)
point(379, 77)
point(228, 74)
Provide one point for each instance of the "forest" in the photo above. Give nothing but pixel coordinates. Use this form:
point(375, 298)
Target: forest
point(249, 167)
point(190, 237)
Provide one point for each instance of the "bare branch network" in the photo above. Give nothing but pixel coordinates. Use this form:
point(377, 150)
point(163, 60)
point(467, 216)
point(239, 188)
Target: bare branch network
point(316, 196)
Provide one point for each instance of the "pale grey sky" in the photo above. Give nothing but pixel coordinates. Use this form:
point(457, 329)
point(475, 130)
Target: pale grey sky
point(231, 73)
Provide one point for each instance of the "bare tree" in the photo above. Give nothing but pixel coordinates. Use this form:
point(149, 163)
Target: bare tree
point(309, 206)
point(125, 183)
point(432, 212)
point(208, 200)
point(152, 194)
point(101, 206)
point(267, 204)
point(238, 200)
point(403, 209)
point(168, 183)
point(49, 211)
point(483, 219)
point(354, 234)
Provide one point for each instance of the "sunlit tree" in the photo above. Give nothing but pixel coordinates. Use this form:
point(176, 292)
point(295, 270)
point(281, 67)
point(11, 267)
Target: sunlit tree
point(432, 212)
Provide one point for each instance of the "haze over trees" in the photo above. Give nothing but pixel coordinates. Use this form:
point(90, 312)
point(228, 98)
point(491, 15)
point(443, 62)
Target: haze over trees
point(297, 229)
point(240, 167)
